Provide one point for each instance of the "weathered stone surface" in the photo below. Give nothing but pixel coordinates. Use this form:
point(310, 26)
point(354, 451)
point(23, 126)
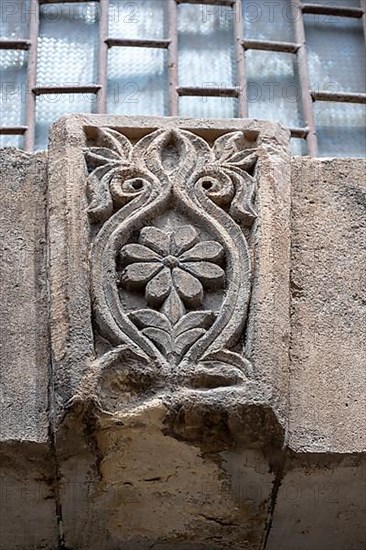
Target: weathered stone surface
point(27, 508)
point(23, 306)
point(328, 347)
point(145, 241)
point(320, 504)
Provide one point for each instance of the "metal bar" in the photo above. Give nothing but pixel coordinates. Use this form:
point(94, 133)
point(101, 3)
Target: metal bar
point(208, 2)
point(30, 102)
point(78, 89)
point(14, 44)
point(64, 1)
point(137, 43)
point(212, 92)
point(102, 57)
point(299, 132)
point(341, 11)
point(173, 59)
point(339, 97)
point(287, 47)
point(240, 60)
point(363, 5)
point(306, 99)
point(13, 130)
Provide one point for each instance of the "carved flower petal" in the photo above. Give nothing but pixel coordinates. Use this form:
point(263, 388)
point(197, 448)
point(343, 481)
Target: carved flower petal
point(207, 250)
point(184, 238)
point(209, 274)
point(156, 239)
point(138, 253)
point(158, 288)
point(188, 287)
point(138, 274)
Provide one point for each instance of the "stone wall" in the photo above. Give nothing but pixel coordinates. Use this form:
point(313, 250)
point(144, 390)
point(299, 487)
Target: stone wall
point(261, 444)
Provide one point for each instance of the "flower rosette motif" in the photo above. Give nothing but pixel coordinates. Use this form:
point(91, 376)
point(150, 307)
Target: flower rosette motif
point(173, 267)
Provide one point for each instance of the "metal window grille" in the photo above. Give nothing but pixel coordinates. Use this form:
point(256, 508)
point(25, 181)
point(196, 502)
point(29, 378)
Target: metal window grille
point(243, 45)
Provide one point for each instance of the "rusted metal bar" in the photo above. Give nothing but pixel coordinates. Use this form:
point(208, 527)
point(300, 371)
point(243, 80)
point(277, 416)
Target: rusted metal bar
point(173, 59)
point(30, 101)
point(270, 46)
point(240, 60)
point(208, 2)
point(212, 92)
point(299, 132)
point(340, 11)
point(78, 89)
point(137, 43)
point(64, 1)
point(339, 97)
point(13, 130)
point(363, 5)
point(306, 99)
point(102, 57)
point(14, 44)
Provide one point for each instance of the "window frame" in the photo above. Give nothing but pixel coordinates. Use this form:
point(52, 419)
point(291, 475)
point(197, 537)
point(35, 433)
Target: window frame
point(298, 47)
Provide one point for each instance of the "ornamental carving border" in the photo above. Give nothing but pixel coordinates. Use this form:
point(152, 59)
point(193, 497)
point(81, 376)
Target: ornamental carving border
point(171, 274)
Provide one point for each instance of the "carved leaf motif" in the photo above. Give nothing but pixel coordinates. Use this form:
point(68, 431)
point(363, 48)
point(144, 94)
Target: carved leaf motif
point(194, 319)
point(231, 358)
point(173, 307)
point(150, 318)
point(116, 142)
point(100, 200)
point(160, 338)
point(168, 338)
point(187, 339)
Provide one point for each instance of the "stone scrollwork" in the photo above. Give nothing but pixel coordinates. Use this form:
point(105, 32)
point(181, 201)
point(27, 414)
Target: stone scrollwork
point(170, 263)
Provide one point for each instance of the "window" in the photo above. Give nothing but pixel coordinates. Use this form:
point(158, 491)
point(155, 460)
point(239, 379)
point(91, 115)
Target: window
point(301, 64)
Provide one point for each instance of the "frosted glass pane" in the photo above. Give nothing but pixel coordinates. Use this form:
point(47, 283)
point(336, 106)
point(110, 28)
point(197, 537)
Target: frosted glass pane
point(341, 129)
point(337, 3)
point(137, 81)
point(273, 87)
point(50, 107)
point(208, 107)
point(336, 53)
point(268, 20)
point(11, 141)
point(298, 147)
point(13, 67)
point(206, 47)
point(67, 44)
point(138, 19)
point(14, 19)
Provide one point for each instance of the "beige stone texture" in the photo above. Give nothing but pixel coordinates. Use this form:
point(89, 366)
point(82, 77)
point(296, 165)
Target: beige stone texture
point(328, 285)
point(27, 506)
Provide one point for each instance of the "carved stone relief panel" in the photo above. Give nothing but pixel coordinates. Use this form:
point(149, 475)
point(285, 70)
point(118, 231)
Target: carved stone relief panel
point(169, 247)
point(170, 264)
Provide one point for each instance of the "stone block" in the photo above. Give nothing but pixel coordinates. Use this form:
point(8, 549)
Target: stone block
point(169, 278)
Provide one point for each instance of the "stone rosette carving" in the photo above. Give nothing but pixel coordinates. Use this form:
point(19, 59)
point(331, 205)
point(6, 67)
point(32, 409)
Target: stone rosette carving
point(170, 263)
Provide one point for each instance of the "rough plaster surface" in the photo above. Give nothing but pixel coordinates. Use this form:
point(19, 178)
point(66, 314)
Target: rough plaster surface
point(328, 279)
